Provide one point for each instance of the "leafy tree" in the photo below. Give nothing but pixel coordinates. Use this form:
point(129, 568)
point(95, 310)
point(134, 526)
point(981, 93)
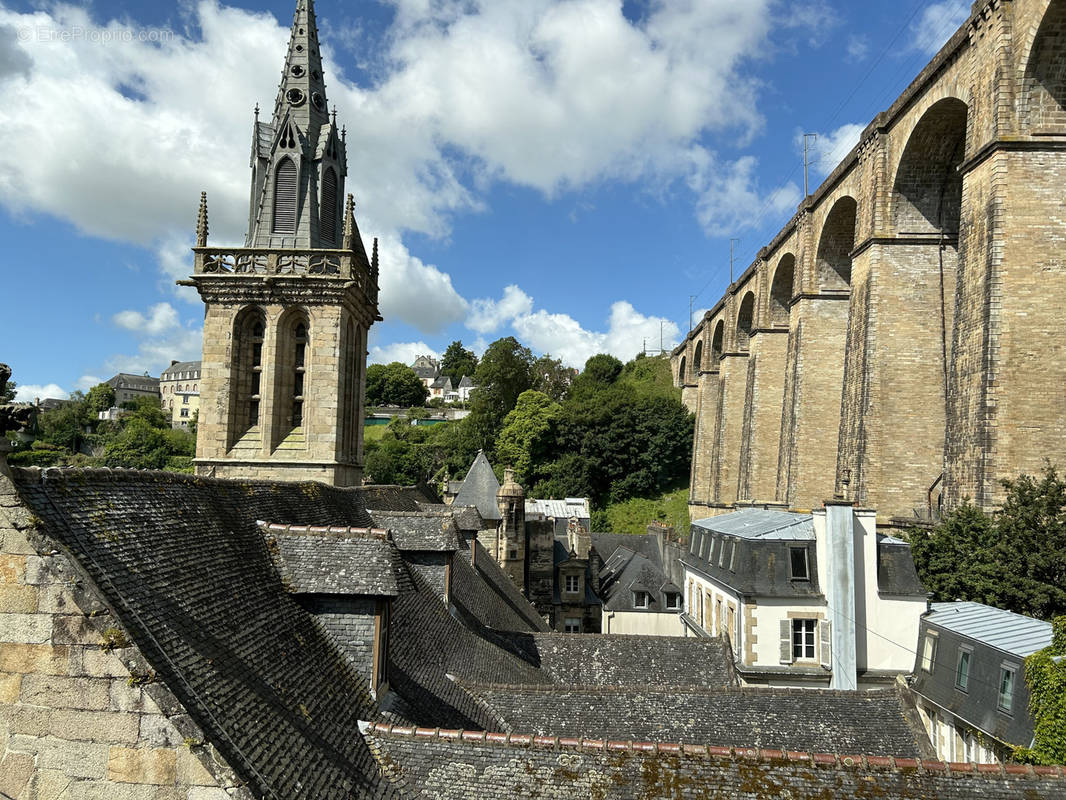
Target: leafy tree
point(458, 362)
point(602, 368)
point(64, 426)
point(1014, 559)
point(526, 436)
point(503, 374)
point(100, 398)
point(551, 377)
point(1045, 674)
point(138, 446)
point(7, 392)
point(394, 384)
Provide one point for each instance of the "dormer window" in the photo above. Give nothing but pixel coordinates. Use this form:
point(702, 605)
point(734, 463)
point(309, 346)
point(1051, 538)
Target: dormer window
point(572, 584)
point(798, 563)
point(640, 599)
point(673, 601)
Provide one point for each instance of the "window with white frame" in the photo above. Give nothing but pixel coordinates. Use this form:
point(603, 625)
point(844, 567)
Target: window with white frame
point(928, 651)
point(673, 600)
point(962, 668)
point(640, 599)
point(1005, 700)
point(572, 625)
point(798, 563)
point(803, 638)
point(572, 584)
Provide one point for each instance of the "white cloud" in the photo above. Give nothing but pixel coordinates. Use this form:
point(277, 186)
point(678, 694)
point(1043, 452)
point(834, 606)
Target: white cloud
point(161, 318)
point(27, 393)
point(404, 352)
point(487, 315)
point(415, 292)
point(628, 331)
point(86, 382)
point(831, 148)
point(162, 338)
point(937, 24)
point(858, 48)
point(730, 199)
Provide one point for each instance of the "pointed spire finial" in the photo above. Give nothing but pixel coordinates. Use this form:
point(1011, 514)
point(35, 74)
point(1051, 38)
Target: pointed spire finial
point(349, 223)
point(334, 117)
point(257, 112)
point(201, 222)
point(374, 259)
point(344, 133)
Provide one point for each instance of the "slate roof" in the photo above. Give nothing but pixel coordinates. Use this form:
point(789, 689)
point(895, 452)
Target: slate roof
point(626, 572)
point(479, 489)
point(423, 531)
point(187, 571)
point(466, 383)
point(875, 723)
point(1012, 633)
point(174, 371)
point(896, 573)
point(348, 561)
point(486, 597)
point(620, 660)
point(395, 498)
point(606, 543)
point(454, 764)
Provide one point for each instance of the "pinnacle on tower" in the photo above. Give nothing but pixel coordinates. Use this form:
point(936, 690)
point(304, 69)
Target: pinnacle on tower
point(201, 222)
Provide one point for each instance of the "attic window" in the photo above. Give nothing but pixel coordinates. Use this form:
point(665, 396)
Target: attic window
point(640, 599)
point(798, 561)
point(572, 584)
point(673, 601)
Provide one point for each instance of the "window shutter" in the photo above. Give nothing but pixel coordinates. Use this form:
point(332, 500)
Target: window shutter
point(826, 642)
point(285, 190)
point(786, 641)
point(328, 209)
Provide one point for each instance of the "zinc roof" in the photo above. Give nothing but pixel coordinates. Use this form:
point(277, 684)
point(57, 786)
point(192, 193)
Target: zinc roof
point(560, 509)
point(757, 523)
point(1004, 630)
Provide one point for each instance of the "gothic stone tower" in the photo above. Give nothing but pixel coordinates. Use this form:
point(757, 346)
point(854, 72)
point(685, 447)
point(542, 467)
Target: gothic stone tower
point(285, 331)
point(511, 536)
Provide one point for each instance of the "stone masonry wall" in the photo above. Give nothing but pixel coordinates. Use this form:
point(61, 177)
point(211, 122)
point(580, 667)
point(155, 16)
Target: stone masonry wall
point(80, 716)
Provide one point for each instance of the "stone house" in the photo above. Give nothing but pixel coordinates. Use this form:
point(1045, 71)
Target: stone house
point(813, 600)
point(427, 368)
point(129, 388)
point(969, 677)
point(179, 390)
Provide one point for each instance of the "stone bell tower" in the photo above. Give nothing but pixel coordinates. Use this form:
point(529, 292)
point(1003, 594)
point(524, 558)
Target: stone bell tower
point(511, 535)
point(285, 330)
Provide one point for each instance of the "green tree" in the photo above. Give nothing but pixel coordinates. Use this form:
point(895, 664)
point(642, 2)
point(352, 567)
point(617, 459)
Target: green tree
point(1045, 674)
point(551, 377)
point(65, 425)
point(602, 368)
point(525, 439)
point(458, 362)
point(7, 392)
point(394, 384)
point(503, 374)
point(1014, 559)
point(100, 398)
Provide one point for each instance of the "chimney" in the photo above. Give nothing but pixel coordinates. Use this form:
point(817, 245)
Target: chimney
point(838, 582)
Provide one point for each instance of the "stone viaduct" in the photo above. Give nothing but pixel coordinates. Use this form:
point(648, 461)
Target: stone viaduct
point(902, 340)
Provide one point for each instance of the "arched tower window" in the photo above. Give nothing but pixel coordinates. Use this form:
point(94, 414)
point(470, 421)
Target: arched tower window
point(299, 357)
point(286, 186)
point(293, 349)
point(328, 207)
point(247, 370)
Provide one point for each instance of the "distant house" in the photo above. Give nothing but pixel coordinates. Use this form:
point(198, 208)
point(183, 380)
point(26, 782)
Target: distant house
point(466, 386)
point(427, 368)
point(969, 678)
point(441, 387)
point(813, 600)
point(179, 387)
point(638, 595)
point(129, 388)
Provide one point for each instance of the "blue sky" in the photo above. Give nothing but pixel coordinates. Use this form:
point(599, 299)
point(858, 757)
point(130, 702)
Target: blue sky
point(569, 172)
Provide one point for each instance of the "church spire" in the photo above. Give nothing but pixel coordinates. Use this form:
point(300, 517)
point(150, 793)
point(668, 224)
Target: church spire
point(302, 93)
point(299, 161)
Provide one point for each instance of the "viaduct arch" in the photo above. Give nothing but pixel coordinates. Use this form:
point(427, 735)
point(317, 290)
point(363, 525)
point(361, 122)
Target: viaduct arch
point(900, 340)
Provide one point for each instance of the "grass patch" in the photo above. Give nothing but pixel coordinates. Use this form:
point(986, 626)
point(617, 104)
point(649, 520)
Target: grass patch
point(633, 516)
point(373, 433)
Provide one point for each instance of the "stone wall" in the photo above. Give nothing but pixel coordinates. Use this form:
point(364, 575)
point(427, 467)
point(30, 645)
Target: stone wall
point(80, 713)
point(922, 285)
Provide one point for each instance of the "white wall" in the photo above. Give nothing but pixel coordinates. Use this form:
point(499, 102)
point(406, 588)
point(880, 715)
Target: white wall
point(642, 623)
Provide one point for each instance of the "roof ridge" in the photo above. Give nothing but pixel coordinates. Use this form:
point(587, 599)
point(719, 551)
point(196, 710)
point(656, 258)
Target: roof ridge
point(362, 533)
point(751, 754)
point(886, 692)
